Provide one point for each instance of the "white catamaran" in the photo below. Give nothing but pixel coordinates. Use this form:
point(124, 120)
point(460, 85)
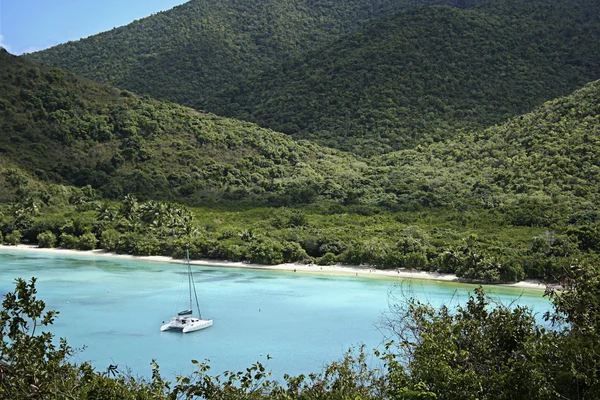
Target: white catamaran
point(184, 320)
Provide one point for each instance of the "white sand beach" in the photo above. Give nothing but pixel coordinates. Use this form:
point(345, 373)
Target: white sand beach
point(335, 270)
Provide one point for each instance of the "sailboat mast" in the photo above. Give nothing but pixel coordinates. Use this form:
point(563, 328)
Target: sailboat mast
point(187, 257)
point(192, 285)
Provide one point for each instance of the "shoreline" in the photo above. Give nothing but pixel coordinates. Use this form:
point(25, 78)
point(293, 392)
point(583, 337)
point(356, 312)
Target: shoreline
point(333, 270)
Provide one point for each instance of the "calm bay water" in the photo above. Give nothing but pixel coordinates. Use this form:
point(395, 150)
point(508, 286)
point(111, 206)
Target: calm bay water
point(114, 307)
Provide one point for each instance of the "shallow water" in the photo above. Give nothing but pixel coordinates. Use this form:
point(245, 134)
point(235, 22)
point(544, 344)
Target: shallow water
point(114, 307)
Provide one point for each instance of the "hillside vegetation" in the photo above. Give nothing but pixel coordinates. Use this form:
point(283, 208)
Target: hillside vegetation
point(364, 77)
point(499, 204)
point(550, 155)
point(69, 130)
point(193, 50)
point(420, 75)
point(463, 137)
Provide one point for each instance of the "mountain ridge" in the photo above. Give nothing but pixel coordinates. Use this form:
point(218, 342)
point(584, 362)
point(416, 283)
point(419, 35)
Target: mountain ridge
point(204, 44)
point(418, 76)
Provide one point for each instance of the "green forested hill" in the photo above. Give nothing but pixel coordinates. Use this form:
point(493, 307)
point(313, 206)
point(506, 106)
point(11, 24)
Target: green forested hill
point(415, 76)
point(539, 169)
point(455, 164)
point(421, 74)
point(67, 129)
point(514, 200)
point(193, 50)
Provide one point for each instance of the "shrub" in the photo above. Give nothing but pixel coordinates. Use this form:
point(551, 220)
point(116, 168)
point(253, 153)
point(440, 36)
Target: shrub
point(415, 260)
point(13, 238)
point(292, 251)
point(87, 241)
point(46, 239)
point(265, 251)
point(109, 239)
point(327, 259)
point(511, 272)
point(68, 241)
point(227, 251)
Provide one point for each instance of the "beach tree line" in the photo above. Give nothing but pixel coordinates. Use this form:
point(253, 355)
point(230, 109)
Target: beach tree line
point(474, 246)
point(73, 218)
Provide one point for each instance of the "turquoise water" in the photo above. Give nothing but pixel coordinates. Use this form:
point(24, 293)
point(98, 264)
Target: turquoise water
point(114, 307)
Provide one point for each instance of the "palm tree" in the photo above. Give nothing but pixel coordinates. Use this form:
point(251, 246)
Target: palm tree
point(130, 207)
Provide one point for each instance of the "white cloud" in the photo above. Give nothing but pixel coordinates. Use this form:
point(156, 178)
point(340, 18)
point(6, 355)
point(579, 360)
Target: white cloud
point(31, 50)
point(4, 45)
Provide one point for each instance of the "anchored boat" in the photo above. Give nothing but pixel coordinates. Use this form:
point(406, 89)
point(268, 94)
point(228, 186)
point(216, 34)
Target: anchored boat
point(185, 321)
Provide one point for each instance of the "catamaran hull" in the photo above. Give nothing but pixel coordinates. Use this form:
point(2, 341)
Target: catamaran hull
point(187, 324)
point(197, 326)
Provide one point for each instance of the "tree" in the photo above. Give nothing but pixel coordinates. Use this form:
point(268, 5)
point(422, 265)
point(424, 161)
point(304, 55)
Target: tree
point(13, 238)
point(577, 322)
point(46, 239)
point(31, 366)
point(476, 352)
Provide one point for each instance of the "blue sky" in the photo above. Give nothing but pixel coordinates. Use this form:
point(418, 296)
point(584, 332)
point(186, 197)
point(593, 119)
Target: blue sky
point(31, 25)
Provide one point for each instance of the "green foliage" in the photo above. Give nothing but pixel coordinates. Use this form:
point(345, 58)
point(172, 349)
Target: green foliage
point(33, 365)
point(364, 76)
point(87, 241)
point(138, 244)
point(484, 350)
point(13, 238)
point(327, 259)
point(578, 321)
point(587, 237)
point(452, 192)
point(476, 350)
point(210, 158)
point(270, 199)
point(420, 75)
point(191, 51)
point(265, 251)
point(78, 239)
point(293, 252)
point(532, 171)
point(46, 239)
point(23, 353)
point(109, 239)
point(68, 241)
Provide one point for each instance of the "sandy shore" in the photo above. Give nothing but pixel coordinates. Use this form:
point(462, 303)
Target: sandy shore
point(337, 270)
